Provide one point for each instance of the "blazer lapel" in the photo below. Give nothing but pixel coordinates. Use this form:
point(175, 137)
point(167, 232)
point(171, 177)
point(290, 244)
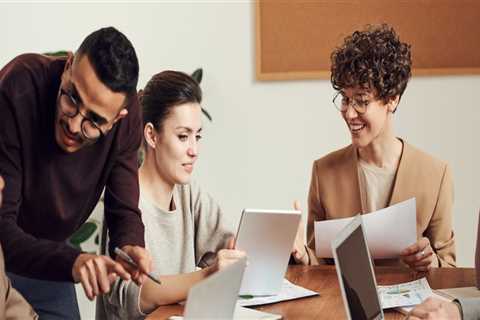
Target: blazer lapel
point(352, 175)
point(400, 189)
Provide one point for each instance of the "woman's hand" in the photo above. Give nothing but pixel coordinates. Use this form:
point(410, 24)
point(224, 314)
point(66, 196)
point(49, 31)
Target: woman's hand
point(419, 256)
point(227, 256)
point(299, 250)
point(435, 309)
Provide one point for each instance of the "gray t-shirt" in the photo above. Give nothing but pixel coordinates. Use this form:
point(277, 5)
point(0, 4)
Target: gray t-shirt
point(179, 241)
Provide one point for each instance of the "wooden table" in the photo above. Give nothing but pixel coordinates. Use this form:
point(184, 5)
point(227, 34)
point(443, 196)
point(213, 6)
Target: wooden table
point(329, 304)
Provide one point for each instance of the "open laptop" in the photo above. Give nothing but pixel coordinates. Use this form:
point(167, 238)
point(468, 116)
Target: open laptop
point(216, 296)
point(355, 273)
point(267, 237)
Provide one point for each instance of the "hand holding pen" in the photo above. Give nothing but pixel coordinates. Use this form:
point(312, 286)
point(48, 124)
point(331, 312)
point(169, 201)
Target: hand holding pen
point(140, 269)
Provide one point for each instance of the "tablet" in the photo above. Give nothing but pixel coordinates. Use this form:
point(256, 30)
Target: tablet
point(355, 273)
point(267, 236)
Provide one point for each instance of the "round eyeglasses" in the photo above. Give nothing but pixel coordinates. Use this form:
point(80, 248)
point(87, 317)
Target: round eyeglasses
point(341, 102)
point(70, 107)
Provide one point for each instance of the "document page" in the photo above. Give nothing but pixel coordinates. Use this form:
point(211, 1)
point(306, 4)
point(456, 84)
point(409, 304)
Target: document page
point(289, 291)
point(404, 294)
point(388, 231)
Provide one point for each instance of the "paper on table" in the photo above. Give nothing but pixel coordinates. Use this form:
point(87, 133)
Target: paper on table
point(289, 291)
point(388, 231)
point(242, 313)
point(404, 294)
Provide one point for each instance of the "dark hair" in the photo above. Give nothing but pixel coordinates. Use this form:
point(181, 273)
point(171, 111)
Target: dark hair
point(164, 91)
point(113, 58)
point(374, 58)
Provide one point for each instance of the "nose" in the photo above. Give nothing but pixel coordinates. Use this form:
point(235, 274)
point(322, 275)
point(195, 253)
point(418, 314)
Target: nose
point(350, 113)
point(193, 149)
point(75, 124)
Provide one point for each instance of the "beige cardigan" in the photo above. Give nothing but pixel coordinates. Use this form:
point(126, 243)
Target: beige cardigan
point(334, 193)
point(12, 304)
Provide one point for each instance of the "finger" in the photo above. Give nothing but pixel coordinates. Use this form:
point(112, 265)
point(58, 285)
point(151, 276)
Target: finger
point(421, 245)
point(424, 262)
point(102, 275)
point(231, 243)
point(92, 276)
point(231, 254)
point(112, 277)
point(85, 283)
point(116, 267)
point(296, 205)
point(141, 258)
point(419, 312)
point(418, 256)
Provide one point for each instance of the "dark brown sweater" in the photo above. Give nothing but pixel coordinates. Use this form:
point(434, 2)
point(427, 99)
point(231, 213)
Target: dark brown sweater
point(49, 193)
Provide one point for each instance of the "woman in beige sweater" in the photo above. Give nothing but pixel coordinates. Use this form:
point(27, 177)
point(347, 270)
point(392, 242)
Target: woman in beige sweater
point(185, 230)
point(370, 72)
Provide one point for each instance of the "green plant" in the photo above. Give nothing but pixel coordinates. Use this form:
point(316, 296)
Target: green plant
point(197, 75)
point(84, 233)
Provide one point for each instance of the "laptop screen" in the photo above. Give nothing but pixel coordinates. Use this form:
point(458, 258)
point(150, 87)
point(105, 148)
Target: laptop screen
point(358, 281)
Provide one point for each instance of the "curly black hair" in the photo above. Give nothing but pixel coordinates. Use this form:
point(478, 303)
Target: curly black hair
point(373, 58)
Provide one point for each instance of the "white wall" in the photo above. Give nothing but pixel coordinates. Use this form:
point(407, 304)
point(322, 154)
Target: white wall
point(259, 149)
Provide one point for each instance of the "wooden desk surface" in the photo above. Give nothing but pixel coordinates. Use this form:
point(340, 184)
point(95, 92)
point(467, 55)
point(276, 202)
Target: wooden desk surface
point(329, 304)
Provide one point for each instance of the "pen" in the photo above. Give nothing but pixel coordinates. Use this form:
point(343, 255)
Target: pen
point(125, 257)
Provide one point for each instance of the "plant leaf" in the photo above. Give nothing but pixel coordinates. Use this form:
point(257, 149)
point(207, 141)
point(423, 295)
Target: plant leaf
point(60, 53)
point(205, 112)
point(83, 233)
point(197, 75)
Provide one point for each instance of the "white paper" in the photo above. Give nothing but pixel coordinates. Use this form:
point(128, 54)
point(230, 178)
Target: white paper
point(289, 291)
point(388, 231)
point(242, 313)
point(404, 294)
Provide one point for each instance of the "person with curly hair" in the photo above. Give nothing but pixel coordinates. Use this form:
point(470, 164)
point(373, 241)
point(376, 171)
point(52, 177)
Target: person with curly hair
point(370, 72)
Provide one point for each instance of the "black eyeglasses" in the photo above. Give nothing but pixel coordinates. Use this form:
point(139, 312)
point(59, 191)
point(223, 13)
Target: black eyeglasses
point(70, 107)
point(342, 102)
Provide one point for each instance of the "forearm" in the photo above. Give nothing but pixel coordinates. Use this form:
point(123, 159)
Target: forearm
point(36, 258)
point(174, 288)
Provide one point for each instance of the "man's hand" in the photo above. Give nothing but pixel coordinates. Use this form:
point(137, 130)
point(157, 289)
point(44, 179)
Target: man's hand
point(435, 309)
point(419, 256)
point(97, 273)
point(142, 259)
point(299, 251)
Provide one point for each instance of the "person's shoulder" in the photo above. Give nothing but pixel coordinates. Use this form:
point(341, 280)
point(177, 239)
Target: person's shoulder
point(424, 160)
point(334, 159)
point(189, 190)
point(29, 67)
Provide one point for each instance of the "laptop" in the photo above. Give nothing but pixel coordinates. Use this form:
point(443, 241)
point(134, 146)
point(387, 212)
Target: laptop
point(267, 237)
point(216, 296)
point(355, 273)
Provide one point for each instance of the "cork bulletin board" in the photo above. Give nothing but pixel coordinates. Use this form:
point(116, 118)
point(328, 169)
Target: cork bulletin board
point(294, 38)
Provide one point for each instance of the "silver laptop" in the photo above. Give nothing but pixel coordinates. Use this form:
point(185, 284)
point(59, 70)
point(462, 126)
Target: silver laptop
point(267, 237)
point(355, 273)
point(216, 296)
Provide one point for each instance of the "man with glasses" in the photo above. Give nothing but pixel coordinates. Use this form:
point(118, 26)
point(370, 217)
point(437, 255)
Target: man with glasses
point(370, 72)
point(70, 128)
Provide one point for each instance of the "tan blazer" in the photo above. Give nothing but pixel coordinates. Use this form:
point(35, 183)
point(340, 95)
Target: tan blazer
point(334, 193)
point(12, 304)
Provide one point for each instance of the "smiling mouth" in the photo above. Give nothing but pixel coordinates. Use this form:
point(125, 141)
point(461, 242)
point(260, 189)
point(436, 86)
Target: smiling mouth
point(188, 166)
point(356, 128)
